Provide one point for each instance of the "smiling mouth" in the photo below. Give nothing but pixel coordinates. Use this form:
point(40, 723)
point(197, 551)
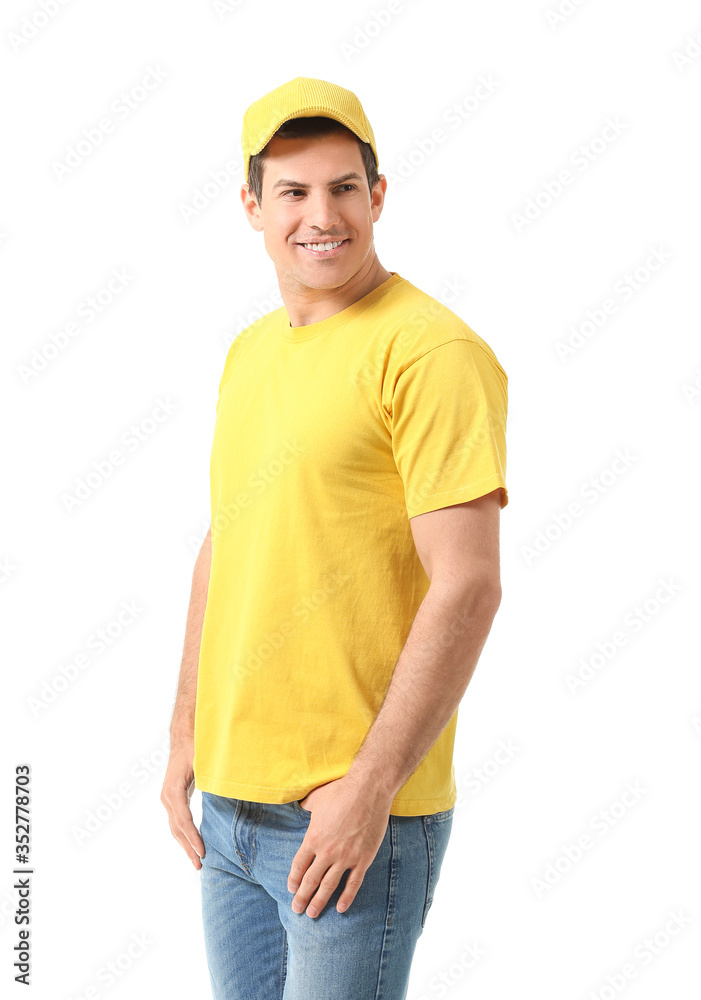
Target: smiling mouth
point(335, 247)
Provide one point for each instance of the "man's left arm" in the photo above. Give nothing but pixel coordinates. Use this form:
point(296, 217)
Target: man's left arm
point(459, 548)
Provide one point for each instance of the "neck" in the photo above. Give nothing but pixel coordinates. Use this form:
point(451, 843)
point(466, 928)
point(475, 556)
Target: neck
point(307, 305)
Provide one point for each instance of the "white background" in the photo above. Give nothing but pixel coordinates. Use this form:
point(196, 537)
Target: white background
point(531, 268)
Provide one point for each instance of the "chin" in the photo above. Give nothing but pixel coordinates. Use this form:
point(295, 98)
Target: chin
point(325, 276)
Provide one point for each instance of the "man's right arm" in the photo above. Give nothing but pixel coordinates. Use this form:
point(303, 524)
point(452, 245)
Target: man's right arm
point(179, 781)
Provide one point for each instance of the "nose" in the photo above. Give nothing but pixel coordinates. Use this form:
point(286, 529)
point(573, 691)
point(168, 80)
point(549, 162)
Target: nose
point(320, 212)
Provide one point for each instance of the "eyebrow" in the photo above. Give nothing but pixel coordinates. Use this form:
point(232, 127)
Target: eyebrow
point(352, 176)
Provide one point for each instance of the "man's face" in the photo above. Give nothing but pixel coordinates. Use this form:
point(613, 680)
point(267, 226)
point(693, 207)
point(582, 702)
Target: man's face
point(309, 197)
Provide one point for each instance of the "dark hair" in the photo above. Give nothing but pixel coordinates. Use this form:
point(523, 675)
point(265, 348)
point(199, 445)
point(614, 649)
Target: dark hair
point(300, 128)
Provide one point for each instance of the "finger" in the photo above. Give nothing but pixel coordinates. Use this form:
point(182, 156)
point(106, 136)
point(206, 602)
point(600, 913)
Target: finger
point(182, 826)
point(353, 883)
point(177, 802)
point(188, 828)
point(327, 887)
point(300, 863)
point(186, 845)
point(320, 880)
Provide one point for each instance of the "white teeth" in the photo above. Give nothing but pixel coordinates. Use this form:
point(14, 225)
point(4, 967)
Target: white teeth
point(322, 246)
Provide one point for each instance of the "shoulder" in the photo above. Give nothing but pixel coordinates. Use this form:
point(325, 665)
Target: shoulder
point(251, 336)
point(422, 323)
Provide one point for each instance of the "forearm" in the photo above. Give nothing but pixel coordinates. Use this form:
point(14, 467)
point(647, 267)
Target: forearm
point(429, 679)
point(182, 726)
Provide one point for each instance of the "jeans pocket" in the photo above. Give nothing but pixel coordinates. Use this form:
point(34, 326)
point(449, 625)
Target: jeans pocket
point(437, 828)
point(300, 809)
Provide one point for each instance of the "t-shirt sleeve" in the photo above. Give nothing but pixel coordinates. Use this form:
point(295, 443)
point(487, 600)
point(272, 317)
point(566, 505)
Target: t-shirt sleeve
point(221, 386)
point(448, 427)
point(226, 373)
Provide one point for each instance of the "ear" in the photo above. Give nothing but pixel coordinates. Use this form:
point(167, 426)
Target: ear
point(377, 199)
point(251, 208)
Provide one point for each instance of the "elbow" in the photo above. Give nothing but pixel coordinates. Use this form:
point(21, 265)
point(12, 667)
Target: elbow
point(479, 597)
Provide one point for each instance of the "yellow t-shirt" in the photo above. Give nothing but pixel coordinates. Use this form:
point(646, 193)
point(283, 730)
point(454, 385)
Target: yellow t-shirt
point(328, 438)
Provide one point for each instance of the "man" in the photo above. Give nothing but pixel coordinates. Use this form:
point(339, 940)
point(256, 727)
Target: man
point(346, 588)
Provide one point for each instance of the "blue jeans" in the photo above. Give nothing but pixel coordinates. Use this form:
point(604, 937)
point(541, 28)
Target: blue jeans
point(258, 948)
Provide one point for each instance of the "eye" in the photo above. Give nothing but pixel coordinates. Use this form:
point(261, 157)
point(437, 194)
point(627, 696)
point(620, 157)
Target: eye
point(295, 191)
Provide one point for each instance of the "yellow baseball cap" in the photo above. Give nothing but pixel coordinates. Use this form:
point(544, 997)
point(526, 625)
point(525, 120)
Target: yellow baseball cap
point(302, 97)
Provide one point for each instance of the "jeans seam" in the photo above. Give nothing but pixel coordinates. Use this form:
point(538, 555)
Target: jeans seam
point(243, 860)
point(284, 963)
point(257, 817)
point(391, 893)
point(428, 830)
point(441, 817)
point(232, 832)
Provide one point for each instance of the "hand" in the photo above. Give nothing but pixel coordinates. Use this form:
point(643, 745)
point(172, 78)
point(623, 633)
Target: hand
point(178, 785)
point(346, 829)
